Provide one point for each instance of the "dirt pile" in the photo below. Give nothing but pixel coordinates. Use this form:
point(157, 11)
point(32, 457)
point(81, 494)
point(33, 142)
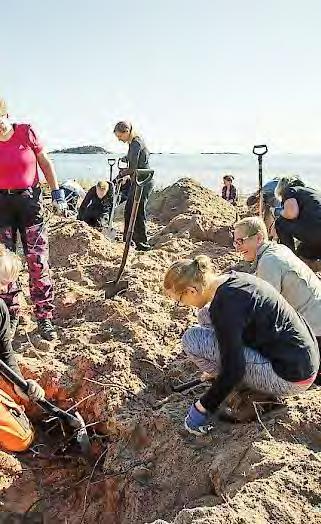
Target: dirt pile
point(118, 358)
point(190, 210)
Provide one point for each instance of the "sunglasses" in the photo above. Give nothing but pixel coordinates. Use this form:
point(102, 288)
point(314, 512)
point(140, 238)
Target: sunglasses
point(238, 242)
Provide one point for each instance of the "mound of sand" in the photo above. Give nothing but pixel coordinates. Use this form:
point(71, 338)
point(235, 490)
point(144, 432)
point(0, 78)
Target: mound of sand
point(192, 211)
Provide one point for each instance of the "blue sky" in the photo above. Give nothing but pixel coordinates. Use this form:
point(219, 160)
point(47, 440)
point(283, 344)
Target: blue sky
point(207, 75)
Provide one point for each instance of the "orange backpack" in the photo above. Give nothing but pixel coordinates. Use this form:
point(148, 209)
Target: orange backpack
point(16, 432)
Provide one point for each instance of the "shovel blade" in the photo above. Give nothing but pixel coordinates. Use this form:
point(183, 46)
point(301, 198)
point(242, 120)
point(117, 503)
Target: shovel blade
point(115, 288)
point(110, 233)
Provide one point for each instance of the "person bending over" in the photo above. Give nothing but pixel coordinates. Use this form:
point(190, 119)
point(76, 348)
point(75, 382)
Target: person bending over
point(301, 217)
point(96, 207)
point(74, 193)
point(278, 265)
point(253, 337)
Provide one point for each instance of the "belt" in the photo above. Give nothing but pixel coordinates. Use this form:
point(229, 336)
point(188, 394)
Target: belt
point(16, 191)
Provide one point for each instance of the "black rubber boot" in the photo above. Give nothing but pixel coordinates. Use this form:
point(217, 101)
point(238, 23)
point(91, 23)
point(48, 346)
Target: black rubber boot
point(46, 329)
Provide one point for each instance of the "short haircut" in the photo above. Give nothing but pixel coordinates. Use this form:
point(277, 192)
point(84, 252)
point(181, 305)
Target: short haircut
point(252, 226)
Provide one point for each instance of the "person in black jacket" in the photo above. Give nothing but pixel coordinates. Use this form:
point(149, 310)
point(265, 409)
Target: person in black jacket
point(300, 218)
point(137, 158)
point(249, 336)
point(96, 207)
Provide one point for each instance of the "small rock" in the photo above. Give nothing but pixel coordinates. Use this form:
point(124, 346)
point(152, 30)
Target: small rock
point(141, 473)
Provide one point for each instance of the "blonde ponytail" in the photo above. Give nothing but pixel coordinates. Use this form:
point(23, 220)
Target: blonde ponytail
point(189, 273)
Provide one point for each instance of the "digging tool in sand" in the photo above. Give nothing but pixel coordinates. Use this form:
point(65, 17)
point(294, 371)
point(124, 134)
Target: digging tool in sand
point(111, 163)
point(110, 231)
point(259, 151)
point(71, 419)
point(117, 286)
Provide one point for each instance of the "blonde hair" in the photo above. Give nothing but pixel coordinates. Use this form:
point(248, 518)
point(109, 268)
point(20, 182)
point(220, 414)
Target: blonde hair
point(285, 182)
point(3, 107)
point(189, 273)
point(102, 184)
point(10, 265)
point(252, 226)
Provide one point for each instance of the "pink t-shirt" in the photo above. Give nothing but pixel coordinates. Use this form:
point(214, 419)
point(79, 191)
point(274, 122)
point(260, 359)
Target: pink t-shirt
point(18, 161)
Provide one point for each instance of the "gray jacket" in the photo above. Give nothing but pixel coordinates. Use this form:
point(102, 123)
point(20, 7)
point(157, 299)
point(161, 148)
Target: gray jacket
point(278, 265)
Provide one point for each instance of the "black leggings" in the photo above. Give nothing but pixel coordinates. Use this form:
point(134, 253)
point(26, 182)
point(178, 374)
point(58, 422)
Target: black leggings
point(140, 235)
point(309, 236)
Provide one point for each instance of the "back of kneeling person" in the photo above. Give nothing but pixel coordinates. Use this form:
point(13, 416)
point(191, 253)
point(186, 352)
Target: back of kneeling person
point(250, 338)
point(96, 207)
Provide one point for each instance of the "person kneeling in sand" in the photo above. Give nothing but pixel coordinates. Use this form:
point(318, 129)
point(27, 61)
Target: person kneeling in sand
point(278, 265)
point(96, 207)
point(253, 338)
point(10, 266)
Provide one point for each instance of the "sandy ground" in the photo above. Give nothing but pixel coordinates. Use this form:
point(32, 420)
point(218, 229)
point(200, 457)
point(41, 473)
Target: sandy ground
point(120, 357)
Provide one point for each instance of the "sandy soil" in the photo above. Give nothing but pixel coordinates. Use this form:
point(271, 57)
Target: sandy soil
point(124, 354)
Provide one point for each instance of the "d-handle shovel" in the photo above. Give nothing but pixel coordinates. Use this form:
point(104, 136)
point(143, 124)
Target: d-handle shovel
point(71, 418)
point(117, 286)
point(259, 151)
point(111, 163)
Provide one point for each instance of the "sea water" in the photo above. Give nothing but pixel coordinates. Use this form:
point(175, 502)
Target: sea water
point(208, 169)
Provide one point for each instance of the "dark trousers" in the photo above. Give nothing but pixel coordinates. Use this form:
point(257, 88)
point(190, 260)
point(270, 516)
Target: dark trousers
point(23, 212)
point(140, 235)
point(309, 236)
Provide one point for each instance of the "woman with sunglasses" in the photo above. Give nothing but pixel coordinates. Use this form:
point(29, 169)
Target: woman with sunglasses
point(250, 338)
point(137, 158)
point(21, 209)
point(279, 266)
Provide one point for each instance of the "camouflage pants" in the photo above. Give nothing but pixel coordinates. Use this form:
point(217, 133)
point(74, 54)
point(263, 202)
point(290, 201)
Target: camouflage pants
point(35, 246)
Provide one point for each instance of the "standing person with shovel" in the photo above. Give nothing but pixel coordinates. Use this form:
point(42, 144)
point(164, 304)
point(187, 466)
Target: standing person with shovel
point(21, 205)
point(137, 158)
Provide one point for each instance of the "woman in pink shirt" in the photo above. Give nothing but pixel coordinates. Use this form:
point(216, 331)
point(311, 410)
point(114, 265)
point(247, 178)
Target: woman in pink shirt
point(21, 209)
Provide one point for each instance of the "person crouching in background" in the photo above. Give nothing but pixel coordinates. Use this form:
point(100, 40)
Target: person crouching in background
point(96, 207)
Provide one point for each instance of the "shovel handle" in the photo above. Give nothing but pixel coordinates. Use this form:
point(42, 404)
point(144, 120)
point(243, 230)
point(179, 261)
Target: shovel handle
point(187, 385)
point(143, 176)
point(47, 406)
point(260, 150)
point(111, 161)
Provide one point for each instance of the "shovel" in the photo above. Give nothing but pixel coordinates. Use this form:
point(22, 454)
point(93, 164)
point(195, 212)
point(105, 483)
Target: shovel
point(259, 151)
point(110, 230)
point(71, 418)
point(111, 163)
point(117, 286)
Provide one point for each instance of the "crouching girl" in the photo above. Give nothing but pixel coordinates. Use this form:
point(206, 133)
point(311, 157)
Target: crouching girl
point(252, 338)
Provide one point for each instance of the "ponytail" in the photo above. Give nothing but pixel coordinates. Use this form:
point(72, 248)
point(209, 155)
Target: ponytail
point(189, 273)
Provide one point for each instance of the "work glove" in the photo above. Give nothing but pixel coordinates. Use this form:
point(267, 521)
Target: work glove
point(59, 202)
point(195, 422)
point(35, 391)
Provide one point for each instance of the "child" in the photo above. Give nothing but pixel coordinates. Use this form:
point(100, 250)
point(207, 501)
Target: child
point(252, 338)
point(10, 266)
point(229, 191)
